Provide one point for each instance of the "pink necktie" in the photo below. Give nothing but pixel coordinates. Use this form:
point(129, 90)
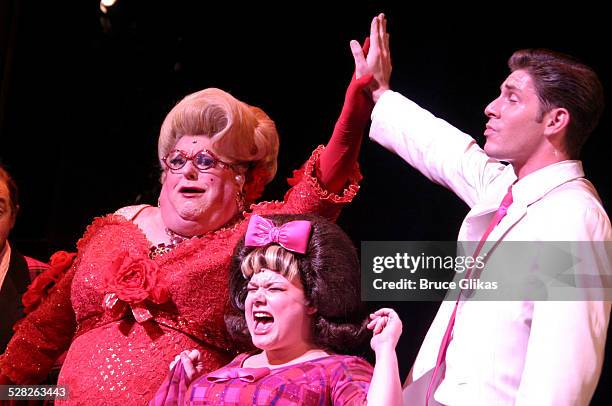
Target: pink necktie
point(499, 214)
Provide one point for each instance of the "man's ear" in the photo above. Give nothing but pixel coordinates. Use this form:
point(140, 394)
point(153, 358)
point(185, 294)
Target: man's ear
point(556, 121)
point(310, 310)
point(14, 216)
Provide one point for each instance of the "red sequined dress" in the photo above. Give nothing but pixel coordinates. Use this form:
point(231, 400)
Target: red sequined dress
point(115, 359)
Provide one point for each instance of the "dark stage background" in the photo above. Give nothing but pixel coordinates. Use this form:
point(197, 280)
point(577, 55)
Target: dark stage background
point(83, 95)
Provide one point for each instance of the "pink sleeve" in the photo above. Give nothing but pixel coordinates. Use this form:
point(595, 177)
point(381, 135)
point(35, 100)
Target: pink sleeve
point(351, 381)
point(174, 388)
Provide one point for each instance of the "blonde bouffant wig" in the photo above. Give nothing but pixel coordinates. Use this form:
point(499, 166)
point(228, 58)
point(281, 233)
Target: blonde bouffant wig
point(240, 133)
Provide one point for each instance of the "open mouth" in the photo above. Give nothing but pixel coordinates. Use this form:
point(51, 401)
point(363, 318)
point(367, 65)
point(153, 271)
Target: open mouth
point(191, 190)
point(262, 322)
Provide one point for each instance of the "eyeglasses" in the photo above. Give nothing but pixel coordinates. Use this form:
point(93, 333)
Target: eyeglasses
point(202, 160)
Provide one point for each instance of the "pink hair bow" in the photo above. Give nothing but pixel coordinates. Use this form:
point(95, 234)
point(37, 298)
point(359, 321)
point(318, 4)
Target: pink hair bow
point(292, 236)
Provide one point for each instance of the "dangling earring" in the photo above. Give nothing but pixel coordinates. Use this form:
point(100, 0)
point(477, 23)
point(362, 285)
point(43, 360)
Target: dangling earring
point(240, 203)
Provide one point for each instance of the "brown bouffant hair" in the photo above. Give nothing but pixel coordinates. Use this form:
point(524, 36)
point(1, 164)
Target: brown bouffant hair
point(562, 81)
point(330, 276)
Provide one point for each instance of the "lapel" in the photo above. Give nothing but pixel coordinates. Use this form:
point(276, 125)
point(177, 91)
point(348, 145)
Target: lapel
point(15, 284)
point(525, 192)
point(480, 215)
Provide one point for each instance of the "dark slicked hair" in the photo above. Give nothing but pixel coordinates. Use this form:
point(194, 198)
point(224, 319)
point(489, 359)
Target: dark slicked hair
point(12, 189)
point(563, 81)
point(330, 276)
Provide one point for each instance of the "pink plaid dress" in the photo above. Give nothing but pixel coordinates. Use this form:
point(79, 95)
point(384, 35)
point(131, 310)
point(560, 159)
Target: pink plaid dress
point(331, 380)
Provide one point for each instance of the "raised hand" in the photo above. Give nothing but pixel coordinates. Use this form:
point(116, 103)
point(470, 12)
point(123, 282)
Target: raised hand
point(376, 61)
point(385, 387)
point(386, 327)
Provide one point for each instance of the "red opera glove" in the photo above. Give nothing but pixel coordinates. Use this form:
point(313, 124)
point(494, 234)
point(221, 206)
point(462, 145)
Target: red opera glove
point(340, 155)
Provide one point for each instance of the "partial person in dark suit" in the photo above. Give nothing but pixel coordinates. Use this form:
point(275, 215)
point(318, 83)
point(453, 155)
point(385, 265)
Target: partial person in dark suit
point(16, 270)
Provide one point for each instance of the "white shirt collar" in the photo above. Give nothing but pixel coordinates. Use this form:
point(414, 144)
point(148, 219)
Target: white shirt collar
point(534, 186)
point(5, 260)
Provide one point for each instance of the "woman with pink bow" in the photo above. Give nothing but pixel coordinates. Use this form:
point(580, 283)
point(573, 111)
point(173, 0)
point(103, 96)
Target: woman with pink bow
point(294, 291)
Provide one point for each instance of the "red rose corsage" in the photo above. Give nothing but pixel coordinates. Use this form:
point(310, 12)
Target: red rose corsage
point(132, 282)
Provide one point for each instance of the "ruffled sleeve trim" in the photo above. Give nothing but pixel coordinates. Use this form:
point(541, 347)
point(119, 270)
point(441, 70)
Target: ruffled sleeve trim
point(310, 173)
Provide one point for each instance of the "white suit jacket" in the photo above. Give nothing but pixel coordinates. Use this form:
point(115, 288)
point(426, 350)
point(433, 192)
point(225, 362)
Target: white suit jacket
point(506, 352)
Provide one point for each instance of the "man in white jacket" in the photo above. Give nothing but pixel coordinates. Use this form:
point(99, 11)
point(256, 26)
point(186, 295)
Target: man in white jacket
point(509, 352)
